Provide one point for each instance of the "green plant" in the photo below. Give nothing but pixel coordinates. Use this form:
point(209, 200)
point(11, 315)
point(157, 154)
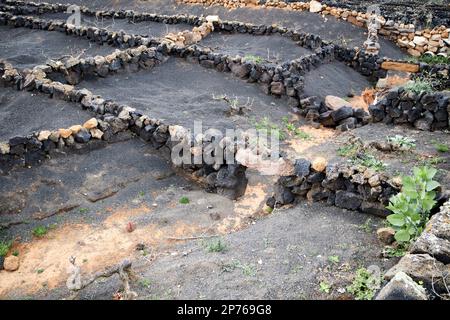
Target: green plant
point(248, 269)
point(369, 161)
point(145, 283)
point(412, 206)
point(397, 251)
point(39, 271)
point(364, 285)
point(256, 59)
point(4, 248)
point(15, 253)
point(440, 147)
point(40, 231)
point(184, 200)
point(367, 226)
point(84, 210)
point(216, 245)
point(348, 151)
point(141, 194)
point(293, 130)
point(270, 128)
point(324, 287)
point(334, 259)
point(418, 86)
point(429, 59)
point(401, 142)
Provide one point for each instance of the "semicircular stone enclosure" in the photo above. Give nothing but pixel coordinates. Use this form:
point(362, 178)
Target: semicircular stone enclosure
point(224, 150)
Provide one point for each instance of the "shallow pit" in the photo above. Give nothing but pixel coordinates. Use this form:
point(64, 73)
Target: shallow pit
point(26, 48)
point(22, 113)
point(336, 79)
point(182, 92)
point(272, 48)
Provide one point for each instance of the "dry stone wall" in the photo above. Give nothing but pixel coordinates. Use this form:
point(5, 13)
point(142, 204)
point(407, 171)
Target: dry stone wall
point(405, 35)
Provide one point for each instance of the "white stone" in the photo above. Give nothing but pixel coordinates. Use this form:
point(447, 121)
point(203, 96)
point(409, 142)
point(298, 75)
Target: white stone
point(315, 6)
point(4, 148)
point(420, 41)
point(43, 135)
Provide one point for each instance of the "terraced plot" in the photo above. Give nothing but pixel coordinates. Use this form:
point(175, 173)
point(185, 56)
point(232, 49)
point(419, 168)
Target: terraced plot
point(42, 46)
point(107, 187)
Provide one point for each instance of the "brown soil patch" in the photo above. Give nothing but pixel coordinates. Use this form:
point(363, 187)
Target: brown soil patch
point(43, 262)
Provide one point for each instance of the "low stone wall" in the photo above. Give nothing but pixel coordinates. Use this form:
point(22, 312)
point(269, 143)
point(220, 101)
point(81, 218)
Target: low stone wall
point(74, 69)
point(423, 13)
point(428, 261)
point(406, 36)
point(343, 185)
point(425, 111)
point(94, 34)
point(114, 119)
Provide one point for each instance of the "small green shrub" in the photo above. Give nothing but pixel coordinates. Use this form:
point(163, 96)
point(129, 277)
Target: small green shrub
point(293, 130)
point(40, 231)
point(429, 59)
point(418, 86)
point(184, 200)
point(256, 59)
point(440, 147)
point(412, 206)
point(364, 285)
point(401, 142)
point(324, 287)
point(269, 127)
point(4, 248)
point(398, 251)
point(369, 161)
point(216, 245)
point(348, 151)
point(334, 259)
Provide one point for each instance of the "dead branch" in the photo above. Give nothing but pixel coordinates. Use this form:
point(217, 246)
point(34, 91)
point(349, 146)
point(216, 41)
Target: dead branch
point(75, 283)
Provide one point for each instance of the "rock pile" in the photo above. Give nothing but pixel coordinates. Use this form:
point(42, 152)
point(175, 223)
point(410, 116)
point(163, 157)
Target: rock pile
point(346, 186)
point(75, 69)
point(333, 112)
point(425, 111)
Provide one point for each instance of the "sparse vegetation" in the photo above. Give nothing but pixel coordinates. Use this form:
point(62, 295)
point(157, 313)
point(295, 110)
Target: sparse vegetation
point(4, 248)
point(348, 151)
point(418, 86)
point(402, 143)
point(83, 210)
point(145, 283)
point(434, 59)
point(369, 161)
point(266, 126)
point(364, 285)
point(40, 231)
point(367, 226)
point(324, 287)
point(396, 251)
point(334, 259)
point(440, 147)
point(293, 130)
point(412, 206)
point(247, 269)
point(216, 245)
point(253, 58)
point(184, 200)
